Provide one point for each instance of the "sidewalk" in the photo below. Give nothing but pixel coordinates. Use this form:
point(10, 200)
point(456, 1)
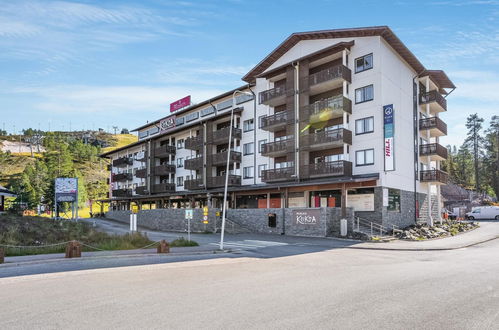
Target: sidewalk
point(487, 231)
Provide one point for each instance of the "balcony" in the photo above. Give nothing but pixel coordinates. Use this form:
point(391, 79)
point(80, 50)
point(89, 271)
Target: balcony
point(434, 176)
point(434, 125)
point(163, 188)
point(221, 158)
point(219, 181)
point(121, 177)
point(326, 109)
point(194, 163)
point(221, 136)
point(164, 169)
point(278, 148)
point(164, 151)
point(141, 173)
point(277, 121)
point(327, 79)
point(122, 193)
point(194, 143)
point(273, 96)
point(436, 101)
point(141, 190)
point(278, 174)
point(123, 161)
point(193, 184)
point(326, 139)
point(323, 169)
point(434, 150)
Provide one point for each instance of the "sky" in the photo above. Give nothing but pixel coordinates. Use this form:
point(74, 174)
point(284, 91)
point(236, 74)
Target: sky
point(98, 64)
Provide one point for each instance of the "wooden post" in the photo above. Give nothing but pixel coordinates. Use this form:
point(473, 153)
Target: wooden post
point(163, 247)
point(343, 201)
point(2, 255)
point(73, 249)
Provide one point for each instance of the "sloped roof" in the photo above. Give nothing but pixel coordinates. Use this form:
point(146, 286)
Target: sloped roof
point(6, 192)
point(383, 31)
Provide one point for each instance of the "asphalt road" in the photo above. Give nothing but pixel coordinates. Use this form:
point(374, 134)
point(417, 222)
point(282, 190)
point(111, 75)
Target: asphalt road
point(271, 287)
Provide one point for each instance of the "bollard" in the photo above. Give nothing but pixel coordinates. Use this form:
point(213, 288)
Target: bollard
point(73, 249)
point(163, 247)
point(2, 255)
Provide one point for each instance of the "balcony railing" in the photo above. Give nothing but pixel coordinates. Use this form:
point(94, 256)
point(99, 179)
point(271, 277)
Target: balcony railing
point(266, 96)
point(433, 123)
point(123, 161)
point(329, 139)
point(219, 181)
point(164, 169)
point(141, 173)
point(193, 184)
point(141, 190)
point(194, 143)
point(277, 147)
point(326, 109)
point(194, 163)
point(433, 149)
point(163, 188)
point(335, 168)
point(433, 176)
point(122, 177)
point(221, 158)
point(277, 120)
point(221, 136)
point(329, 74)
point(278, 174)
point(164, 151)
point(433, 96)
point(122, 193)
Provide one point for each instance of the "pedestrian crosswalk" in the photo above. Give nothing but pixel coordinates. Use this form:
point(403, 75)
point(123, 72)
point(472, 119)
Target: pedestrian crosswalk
point(249, 244)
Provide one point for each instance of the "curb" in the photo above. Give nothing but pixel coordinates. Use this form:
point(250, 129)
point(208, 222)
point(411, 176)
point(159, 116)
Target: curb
point(136, 255)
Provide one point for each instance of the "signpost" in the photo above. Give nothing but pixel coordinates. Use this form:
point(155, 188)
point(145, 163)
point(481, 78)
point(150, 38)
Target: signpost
point(388, 121)
point(188, 217)
point(66, 190)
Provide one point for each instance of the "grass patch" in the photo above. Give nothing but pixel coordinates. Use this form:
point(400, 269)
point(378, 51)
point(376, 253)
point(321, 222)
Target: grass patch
point(36, 232)
point(180, 242)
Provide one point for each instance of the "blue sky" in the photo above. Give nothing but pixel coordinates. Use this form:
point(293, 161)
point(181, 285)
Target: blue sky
point(91, 64)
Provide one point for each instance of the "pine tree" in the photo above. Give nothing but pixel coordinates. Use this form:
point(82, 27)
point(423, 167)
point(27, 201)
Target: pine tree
point(491, 159)
point(474, 142)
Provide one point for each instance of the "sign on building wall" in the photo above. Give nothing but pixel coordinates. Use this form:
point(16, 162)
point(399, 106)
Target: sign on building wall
point(179, 104)
point(306, 217)
point(361, 202)
point(388, 120)
point(66, 189)
point(167, 123)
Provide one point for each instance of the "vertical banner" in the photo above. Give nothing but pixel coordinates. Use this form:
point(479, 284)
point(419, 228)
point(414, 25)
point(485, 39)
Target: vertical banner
point(388, 121)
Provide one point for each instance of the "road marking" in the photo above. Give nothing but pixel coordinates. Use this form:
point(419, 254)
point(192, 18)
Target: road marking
point(250, 244)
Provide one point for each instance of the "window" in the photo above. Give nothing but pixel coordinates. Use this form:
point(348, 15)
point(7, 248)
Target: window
point(180, 181)
point(364, 125)
point(260, 145)
point(180, 162)
point(364, 157)
point(249, 148)
point(192, 116)
point(364, 63)
point(393, 200)
point(261, 168)
point(333, 158)
point(180, 144)
point(248, 125)
point(364, 94)
point(248, 172)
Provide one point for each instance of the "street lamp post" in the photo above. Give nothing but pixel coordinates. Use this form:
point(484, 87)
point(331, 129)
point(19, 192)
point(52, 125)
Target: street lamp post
point(224, 206)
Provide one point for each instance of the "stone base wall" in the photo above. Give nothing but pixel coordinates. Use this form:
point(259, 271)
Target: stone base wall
point(241, 220)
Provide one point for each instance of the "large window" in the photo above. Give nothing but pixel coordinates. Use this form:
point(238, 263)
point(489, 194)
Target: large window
point(180, 162)
point(249, 148)
point(393, 200)
point(248, 172)
point(364, 125)
point(261, 168)
point(248, 125)
point(364, 157)
point(364, 94)
point(364, 63)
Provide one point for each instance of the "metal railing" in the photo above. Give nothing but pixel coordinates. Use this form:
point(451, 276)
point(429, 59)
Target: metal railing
point(335, 104)
point(433, 122)
point(334, 72)
point(221, 158)
point(279, 118)
point(193, 163)
point(433, 149)
point(222, 135)
point(433, 96)
point(194, 143)
point(277, 146)
point(164, 150)
point(278, 174)
point(269, 94)
point(373, 228)
point(335, 137)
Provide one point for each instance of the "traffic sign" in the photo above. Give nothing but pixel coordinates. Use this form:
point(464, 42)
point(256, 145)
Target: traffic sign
point(205, 210)
point(205, 217)
point(188, 214)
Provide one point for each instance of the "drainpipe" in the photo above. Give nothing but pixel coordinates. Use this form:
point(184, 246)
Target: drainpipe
point(255, 171)
point(297, 128)
point(415, 101)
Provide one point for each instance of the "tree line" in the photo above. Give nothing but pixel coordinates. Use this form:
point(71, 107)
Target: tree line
point(475, 164)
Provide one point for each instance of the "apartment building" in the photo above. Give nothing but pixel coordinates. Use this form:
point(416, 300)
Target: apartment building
point(331, 118)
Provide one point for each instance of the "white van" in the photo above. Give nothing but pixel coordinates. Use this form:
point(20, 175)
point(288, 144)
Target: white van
point(484, 212)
